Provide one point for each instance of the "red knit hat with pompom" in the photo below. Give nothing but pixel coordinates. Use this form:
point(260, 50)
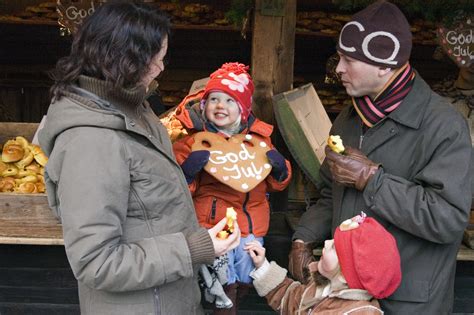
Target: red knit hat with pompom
point(233, 79)
point(368, 256)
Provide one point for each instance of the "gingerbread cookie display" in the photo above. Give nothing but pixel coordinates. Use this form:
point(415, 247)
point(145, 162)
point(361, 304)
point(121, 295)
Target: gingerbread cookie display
point(239, 162)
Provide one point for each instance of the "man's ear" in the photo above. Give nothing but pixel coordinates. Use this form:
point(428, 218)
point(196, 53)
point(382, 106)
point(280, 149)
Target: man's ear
point(384, 71)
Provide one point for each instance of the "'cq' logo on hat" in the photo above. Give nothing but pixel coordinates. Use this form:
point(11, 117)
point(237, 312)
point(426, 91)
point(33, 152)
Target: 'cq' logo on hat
point(366, 41)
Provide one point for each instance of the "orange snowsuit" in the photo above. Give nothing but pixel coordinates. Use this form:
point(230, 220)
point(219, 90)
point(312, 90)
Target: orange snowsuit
point(211, 197)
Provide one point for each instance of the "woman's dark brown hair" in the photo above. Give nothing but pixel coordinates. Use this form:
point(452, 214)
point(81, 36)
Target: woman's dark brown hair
point(116, 44)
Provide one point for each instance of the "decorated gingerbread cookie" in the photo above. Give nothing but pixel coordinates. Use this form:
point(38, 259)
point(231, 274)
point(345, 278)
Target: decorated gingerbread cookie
point(239, 162)
point(458, 41)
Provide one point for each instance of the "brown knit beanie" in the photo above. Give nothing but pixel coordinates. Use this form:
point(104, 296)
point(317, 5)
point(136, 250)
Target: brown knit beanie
point(379, 35)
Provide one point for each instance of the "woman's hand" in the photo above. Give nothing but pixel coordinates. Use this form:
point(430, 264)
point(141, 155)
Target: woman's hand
point(222, 246)
point(256, 252)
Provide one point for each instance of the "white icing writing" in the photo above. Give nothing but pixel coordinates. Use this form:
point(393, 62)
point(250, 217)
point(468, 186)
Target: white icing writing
point(77, 15)
point(461, 42)
point(236, 171)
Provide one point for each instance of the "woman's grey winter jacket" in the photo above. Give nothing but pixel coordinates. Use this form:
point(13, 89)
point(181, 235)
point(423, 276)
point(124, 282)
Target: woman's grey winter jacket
point(130, 232)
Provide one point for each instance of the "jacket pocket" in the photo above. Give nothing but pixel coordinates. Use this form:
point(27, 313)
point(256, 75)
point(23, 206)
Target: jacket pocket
point(52, 196)
point(412, 291)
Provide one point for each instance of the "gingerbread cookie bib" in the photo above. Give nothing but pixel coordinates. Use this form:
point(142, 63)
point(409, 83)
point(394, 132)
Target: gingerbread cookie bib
point(239, 162)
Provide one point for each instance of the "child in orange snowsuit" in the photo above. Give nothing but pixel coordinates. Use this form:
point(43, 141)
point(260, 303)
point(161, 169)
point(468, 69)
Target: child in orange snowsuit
point(224, 108)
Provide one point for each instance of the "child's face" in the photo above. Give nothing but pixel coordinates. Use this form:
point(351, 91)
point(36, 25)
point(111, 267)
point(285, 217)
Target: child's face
point(221, 109)
point(328, 264)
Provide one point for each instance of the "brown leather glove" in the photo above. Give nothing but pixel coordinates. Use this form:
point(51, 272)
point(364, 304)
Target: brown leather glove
point(301, 255)
point(352, 168)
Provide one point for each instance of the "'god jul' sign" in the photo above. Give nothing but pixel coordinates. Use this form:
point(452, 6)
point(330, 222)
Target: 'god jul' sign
point(239, 162)
point(72, 12)
point(458, 42)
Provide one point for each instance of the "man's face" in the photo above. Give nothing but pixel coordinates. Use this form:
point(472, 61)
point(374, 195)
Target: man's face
point(359, 78)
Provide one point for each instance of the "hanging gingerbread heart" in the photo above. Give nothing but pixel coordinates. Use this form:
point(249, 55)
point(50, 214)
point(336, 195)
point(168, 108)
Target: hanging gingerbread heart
point(72, 12)
point(458, 41)
point(240, 162)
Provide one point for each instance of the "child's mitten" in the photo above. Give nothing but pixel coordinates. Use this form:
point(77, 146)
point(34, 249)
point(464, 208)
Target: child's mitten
point(278, 162)
point(194, 164)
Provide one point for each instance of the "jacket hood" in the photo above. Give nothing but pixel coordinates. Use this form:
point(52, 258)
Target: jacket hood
point(80, 107)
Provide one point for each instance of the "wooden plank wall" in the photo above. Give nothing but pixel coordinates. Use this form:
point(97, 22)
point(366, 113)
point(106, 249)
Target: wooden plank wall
point(38, 280)
point(29, 52)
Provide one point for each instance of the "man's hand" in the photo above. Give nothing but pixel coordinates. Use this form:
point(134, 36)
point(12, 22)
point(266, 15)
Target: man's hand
point(352, 168)
point(301, 255)
point(222, 246)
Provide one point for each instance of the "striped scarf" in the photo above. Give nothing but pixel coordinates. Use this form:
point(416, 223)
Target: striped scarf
point(391, 96)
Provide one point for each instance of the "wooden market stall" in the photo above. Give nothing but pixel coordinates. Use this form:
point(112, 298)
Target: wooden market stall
point(288, 45)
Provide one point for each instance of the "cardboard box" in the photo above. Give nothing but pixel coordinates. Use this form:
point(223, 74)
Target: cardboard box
point(304, 125)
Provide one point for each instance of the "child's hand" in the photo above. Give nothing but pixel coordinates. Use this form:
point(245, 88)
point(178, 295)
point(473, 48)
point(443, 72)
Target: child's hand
point(278, 163)
point(256, 252)
point(194, 164)
point(313, 266)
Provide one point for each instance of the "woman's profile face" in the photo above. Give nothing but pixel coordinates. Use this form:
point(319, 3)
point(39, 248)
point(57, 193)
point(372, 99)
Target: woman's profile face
point(157, 64)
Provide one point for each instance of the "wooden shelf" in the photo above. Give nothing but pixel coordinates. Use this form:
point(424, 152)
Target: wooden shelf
point(217, 28)
point(205, 27)
point(464, 254)
point(30, 22)
point(26, 219)
point(175, 26)
point(292, 218)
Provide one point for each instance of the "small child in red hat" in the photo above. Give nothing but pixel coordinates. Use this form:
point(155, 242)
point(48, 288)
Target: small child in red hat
point(360, 265)
point(224, 108)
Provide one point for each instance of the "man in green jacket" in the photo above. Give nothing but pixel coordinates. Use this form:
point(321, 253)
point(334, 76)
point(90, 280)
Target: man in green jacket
point(406, 163)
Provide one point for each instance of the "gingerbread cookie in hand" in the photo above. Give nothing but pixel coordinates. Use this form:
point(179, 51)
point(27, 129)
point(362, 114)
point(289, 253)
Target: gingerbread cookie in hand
point(231, 216)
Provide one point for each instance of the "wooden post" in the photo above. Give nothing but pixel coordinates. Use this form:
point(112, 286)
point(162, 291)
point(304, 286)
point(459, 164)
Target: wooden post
point(273, 50)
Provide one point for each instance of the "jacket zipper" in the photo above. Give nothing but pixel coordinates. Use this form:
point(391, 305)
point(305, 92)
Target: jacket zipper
point(213, 209)
point(361, 139)
point(157, 301)
point(244, 208)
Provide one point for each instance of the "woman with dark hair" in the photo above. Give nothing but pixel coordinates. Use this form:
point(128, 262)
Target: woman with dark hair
point(130, 231)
